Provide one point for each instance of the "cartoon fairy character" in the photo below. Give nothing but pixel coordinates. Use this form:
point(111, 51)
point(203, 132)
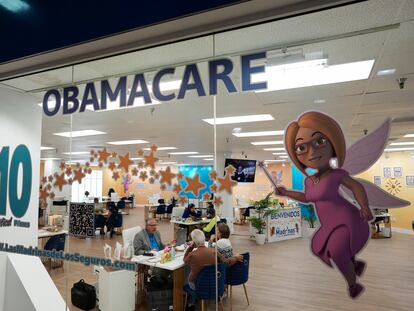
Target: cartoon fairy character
point(314, 141)
point(126, 181)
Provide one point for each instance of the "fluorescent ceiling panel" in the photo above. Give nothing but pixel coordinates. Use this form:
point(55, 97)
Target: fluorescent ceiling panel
point(128, 142)
point(47, 148)
point(82, 133)
point(257, 134)
point(183, 153)
point(274, 149)
point(240, 119)
point(405, 143)
point(262, 143)
point(76, 153)
point(201, 156)
point(398, 149)
point(162, 148)
point(409, 135)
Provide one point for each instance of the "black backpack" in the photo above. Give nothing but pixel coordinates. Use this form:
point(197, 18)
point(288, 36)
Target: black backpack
point(83, 295)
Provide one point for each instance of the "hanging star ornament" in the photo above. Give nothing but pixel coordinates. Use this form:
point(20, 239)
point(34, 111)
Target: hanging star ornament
point(62, 166)
point(140, 152)
point(134, 171)
point(112, 166)
point(167, 176)
point(68, 171)
point(151, 180)
point(180, 176)
point(91, 159)
point(217, 201)
point(213, 188)
point(163, 187)
point(206, 196)
point(114, 154)
point(78, 175)
point(194, 185)
point(125, 162)
point(230, 170)
point(92, 152)
point(143, 175)
point(50, 178)
point(70, 181)
point(150, 160)
point(60, 181)
point(226, 183)
point(103, 155)
point(44, 179)
point(140, 164)
point(152, 172)
point(43, 194)
point(52, 195)
point(115, 175)
point(177, 188)
point(154, 148)
point(213, 175)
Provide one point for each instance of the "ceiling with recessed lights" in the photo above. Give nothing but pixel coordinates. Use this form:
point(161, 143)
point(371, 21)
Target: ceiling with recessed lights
point(382, 31)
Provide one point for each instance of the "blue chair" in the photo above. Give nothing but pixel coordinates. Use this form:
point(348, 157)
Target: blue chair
point(205, 285)
point(114, 221)
point(161, 208)
point(238, 274)
point(169, 210)
point(121, 204)
point(57, 243)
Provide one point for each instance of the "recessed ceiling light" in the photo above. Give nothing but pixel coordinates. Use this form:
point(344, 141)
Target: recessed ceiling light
point(201, 156)
point(47, 148)
point(311, 73)
point(163, 148)
point(183, 153)
point(405, 143)
point(386, 72)
point(319, 101)
point(79, 133)
point(279, 153)
point(50, 159)
point(240, 119)
point(75, 153)
point(128, 142)
point(398, 149)
point(269, 161)
point(208, 159)
point(274, 149)
point(262, 133)
point(261, 143)
point(409, 135)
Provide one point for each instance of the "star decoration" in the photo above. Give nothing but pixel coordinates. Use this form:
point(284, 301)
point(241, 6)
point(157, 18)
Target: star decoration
point(52, 195)
point(87, 164)
point(213, 175)
point(152, 172)
point(68, 171)
point(50, 178)
point(163, 187)
point(43, 195)
point(115, 175)
point(91, 159)
point(62, 166)
point(70, 181)
point(114, 154)
point(177, 188)
point(100, 164)
point(230, 170)
point(154, 148)
point(112, 166)
point(95, 155)
point(206, 196)
point(103, 155)
point(78, 165)
point(78, 175)
point(217, 201)
point(167, 176)
point(180, 176)
point(60, 181)
point(134, 171)
point(44, 179)
point(125, 162)
point(143, 175)
point(151, 180)
point(92, 152)
point(194, 185)
point(150, 160)
point(182, 200)
point(140, 164)
point(226, 183)
point(49, 187)
point(213, 188)
point(140, 152)
point(89, 171)
point(156, 176)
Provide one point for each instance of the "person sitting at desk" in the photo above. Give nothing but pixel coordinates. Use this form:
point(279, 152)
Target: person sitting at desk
point(224, 246)
point(148, 239)
point(190, 212)
point(197, 256)
point(209, 229)
point(113, 214)
point(100, 220)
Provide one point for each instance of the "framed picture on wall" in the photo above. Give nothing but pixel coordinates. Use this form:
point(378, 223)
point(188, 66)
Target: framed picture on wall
point(387, 172)
point(397, 171)
point(409, 180)
point(377, 180)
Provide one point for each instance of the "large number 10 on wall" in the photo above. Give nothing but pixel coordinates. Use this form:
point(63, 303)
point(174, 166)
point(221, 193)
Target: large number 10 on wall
point(9, 180)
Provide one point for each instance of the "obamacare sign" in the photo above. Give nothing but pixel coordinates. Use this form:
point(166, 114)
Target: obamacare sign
point(70, 100)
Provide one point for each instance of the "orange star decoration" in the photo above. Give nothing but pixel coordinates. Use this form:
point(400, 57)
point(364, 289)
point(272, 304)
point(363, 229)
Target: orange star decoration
point(91, 159)
point(180, 176)
point(182, 200)
point(177, 188)
point(152, 172)
point(125, 162)
point(62, 166)
point(206, 196)
point(134, 171)
point(213, 175)
point(68, 171)
point(49, 187)
point(115, 175)
point(92, 152)
point(70, 181)
point(112, 166)
point(143, 175)
point(44, 180)
point(213, 188)
point(226, 183)
point(78, 165)
point(103, 155)
point(230, 170)
point(78, 176)
point(50, 178)
point(87, 164)
point(163, 187)
point(194, 185)
point(140, 152)
point(217, 201)
point(151, 180)
point(89, 171)
point(100, 164)
point(150, 160)
point(154, 148)
point(140, 164)
point(156, 176)
point(52, 195)
point(167, 176)
point(114, 154)
point(60, 181)
point(43, 195)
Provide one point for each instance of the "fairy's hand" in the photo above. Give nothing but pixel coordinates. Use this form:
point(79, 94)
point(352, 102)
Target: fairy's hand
point(281, 191)
point(366, 214)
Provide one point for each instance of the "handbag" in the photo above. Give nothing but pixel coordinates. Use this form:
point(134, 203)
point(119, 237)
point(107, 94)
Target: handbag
point(83, 295)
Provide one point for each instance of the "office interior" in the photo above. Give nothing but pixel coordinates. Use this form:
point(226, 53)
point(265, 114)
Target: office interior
point(352, 63)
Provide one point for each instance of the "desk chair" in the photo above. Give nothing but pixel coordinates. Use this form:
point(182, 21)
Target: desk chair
point(121, 204)
point(238, 274)
point(205, 285)
point(169, 210)
point(161, 208)
point(57, 243)
point(114, 221)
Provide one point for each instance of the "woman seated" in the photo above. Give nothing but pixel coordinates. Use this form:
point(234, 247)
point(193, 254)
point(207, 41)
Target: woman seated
point(113, 214)
point(224, 246)
point(210, 228)
point(190, 211)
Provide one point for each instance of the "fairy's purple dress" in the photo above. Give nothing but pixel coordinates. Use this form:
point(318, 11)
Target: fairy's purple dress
point(343, 233)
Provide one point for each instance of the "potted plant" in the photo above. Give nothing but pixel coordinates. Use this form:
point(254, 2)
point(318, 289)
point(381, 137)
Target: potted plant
point(310, 218)
point(263, 209)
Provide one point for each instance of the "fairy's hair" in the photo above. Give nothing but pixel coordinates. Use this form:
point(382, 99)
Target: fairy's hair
point(319, 122)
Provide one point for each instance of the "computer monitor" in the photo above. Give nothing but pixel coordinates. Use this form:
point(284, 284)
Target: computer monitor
point(114, 197)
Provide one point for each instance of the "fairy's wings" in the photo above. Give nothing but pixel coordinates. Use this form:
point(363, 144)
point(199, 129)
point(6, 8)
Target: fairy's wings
point(366, 151)
point(377, 197)
point(360, 157)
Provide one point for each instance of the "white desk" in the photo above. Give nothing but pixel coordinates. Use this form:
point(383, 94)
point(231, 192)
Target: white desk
point(191, 223)
point(43, 233)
